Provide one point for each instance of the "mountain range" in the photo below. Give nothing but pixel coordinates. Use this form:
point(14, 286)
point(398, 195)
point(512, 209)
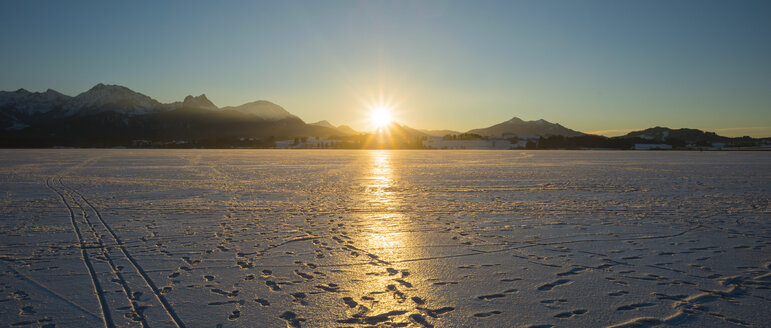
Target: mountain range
point(113, 114)
point(108, 115)
point(23, 108)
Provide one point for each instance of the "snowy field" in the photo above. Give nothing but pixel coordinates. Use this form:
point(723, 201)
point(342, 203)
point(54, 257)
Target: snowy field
point(272, 238)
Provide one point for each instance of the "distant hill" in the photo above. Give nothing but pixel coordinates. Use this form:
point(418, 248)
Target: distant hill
point(405, 131)
point(532, 128)
point(674, 138)
point(690, 136)
point(263, 109)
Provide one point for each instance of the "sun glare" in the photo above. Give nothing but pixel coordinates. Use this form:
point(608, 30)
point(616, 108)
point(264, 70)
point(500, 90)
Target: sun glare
point(380, 116)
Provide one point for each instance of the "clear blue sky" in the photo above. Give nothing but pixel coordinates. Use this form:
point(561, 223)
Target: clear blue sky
point(589, 65)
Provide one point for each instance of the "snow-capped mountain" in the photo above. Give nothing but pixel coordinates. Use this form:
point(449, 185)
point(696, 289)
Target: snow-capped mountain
point(263, 109)
point(32, 102)
point(112, 98)
point(21, 108)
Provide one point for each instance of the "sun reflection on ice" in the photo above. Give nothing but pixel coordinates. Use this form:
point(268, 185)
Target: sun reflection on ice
point(381, 177)
point(385, 238)
point(385, 228)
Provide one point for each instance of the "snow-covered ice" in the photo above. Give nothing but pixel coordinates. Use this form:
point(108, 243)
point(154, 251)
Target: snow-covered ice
point(272, 238)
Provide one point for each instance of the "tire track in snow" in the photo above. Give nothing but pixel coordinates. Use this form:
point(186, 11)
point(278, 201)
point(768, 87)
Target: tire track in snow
point(114, 268)
point(138, 268)
point(84, 256)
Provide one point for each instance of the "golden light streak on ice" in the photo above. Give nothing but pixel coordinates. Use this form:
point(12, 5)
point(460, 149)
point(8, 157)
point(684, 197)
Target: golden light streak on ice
point(386, 223)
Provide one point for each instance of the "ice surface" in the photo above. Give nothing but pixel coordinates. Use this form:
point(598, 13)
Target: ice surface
point(261, 238)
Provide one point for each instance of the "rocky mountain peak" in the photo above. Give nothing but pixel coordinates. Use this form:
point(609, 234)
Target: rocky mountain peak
point(199, 102)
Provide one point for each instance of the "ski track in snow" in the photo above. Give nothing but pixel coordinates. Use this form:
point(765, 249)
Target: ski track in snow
point(245, 238)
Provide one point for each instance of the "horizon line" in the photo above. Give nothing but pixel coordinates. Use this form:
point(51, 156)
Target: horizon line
point(603, 132)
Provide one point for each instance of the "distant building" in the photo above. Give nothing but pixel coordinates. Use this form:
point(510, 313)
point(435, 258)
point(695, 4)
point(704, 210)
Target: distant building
point(307, 143)
point(141, 143)
point(284, 144)
point(652, 146)
point(713, 146)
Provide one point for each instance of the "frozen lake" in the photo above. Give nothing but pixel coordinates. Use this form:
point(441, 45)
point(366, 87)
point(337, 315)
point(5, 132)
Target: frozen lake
point(271, 238)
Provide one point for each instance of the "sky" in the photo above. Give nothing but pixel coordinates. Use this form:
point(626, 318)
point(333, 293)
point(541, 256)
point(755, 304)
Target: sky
point(605, 67)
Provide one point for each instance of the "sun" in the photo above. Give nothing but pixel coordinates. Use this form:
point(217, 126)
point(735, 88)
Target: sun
point(381, 116)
